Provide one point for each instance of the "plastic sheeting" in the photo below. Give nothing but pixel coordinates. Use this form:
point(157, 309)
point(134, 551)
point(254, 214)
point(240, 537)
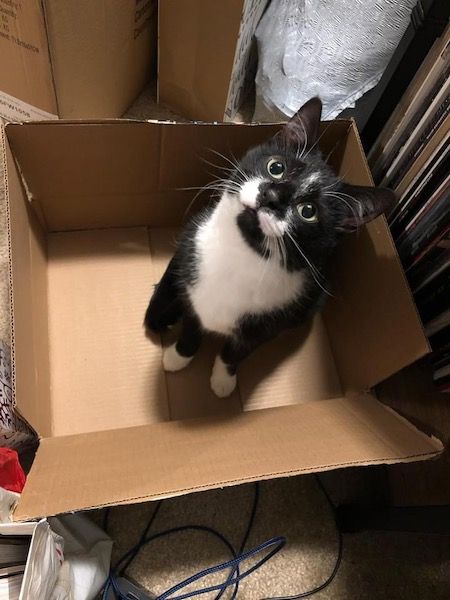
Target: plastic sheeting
point(337, 49)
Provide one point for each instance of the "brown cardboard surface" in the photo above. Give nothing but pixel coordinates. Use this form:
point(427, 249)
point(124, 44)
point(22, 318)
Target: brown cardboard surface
point(105, 372)
point(28, 285)
point(123, 173)
point(95, 79)
point(197, 44)
point(296, 367)
point(24, 59)
point(372, 321)
point(173, 458)
point(79, 59)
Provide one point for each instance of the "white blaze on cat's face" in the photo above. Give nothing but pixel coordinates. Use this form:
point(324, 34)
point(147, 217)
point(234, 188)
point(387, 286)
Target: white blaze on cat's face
point(270, 225)
point(249, 192)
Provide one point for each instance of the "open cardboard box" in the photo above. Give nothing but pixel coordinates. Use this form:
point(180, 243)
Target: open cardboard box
point(94, 209)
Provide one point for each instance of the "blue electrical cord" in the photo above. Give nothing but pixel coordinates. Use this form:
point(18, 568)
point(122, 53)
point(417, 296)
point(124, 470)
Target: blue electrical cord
point(243, 543)
point(235, 576)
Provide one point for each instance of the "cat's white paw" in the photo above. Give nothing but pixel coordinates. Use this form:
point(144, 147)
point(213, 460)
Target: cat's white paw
point(172, 361)
point(222, 383)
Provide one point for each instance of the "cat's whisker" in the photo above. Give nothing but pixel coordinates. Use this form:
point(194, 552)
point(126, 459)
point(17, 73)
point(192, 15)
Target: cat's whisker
point(221, 168)
point(314, 271)
point(329, 187)
point(318, 139)
point(347, 203)
point(236, 162)
point(305, 142)
point(267, 255)
point(283, 252)
point(327, 157)
point(213, 182)
point(355, 200)
point(235, 165)
point(218, 186)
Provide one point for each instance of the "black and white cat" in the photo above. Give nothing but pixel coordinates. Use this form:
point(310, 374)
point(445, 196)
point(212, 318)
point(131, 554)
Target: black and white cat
point(253, 264)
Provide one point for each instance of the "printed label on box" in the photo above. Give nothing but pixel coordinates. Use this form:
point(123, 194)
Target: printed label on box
point(13, 109)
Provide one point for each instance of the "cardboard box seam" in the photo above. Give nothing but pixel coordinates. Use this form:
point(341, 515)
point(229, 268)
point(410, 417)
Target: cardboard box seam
point(436, 441)
point(50, 56)
point(361, 149)
point(10, 275)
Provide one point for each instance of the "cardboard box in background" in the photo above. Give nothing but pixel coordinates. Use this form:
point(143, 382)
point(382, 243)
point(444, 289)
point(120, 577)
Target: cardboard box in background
point(207, 56)
point(91, 233)
point(75, 60)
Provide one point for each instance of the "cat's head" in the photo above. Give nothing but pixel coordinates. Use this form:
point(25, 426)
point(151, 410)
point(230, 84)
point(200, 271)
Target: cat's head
point(288, 192)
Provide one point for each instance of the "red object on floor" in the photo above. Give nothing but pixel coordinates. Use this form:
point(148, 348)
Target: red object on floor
point(12, 476)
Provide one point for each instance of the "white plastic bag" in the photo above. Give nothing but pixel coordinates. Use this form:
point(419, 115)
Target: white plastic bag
point(87, 554)
point(69, 559)
point(337, 49)
point(45, 558)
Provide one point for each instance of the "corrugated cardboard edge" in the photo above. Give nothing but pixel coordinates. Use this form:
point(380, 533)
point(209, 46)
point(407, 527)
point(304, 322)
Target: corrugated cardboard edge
point(435, 440)
point(10, 276)
point(3, 144)
point(431, 447)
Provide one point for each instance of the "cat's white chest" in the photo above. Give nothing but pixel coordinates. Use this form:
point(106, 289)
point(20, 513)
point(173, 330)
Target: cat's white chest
point(233, 280)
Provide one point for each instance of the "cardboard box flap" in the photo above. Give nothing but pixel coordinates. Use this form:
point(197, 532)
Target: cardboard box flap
point(173, 458)
point(190, 32)
point(372, 320)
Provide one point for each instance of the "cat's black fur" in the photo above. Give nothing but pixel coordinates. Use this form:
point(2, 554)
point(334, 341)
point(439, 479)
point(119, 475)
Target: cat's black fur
point(307, 178)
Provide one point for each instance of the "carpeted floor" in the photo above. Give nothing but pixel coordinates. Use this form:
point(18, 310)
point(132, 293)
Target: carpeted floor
point(375, 566)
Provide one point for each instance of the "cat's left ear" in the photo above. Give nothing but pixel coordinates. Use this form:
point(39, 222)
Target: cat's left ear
point(302, 130)
point(363, 204)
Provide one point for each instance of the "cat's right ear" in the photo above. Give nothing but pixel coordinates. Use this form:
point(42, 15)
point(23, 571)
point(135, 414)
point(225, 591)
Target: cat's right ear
point(302, 130)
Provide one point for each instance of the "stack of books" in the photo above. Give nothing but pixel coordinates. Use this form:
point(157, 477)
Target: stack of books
point(412, 156)
point(13, 557)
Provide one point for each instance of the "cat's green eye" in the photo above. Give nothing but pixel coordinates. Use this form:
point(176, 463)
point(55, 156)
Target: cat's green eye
point(275, 168)
point(308, 212)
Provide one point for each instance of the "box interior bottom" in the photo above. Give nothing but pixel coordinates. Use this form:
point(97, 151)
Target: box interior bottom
point(106, 373)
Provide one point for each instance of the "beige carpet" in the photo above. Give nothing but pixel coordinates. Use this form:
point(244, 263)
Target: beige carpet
point(376, 566)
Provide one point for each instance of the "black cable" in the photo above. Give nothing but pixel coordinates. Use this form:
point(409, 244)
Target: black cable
point(106, 519)
point(141, 540)
point(337, 564)
point(242, 546)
